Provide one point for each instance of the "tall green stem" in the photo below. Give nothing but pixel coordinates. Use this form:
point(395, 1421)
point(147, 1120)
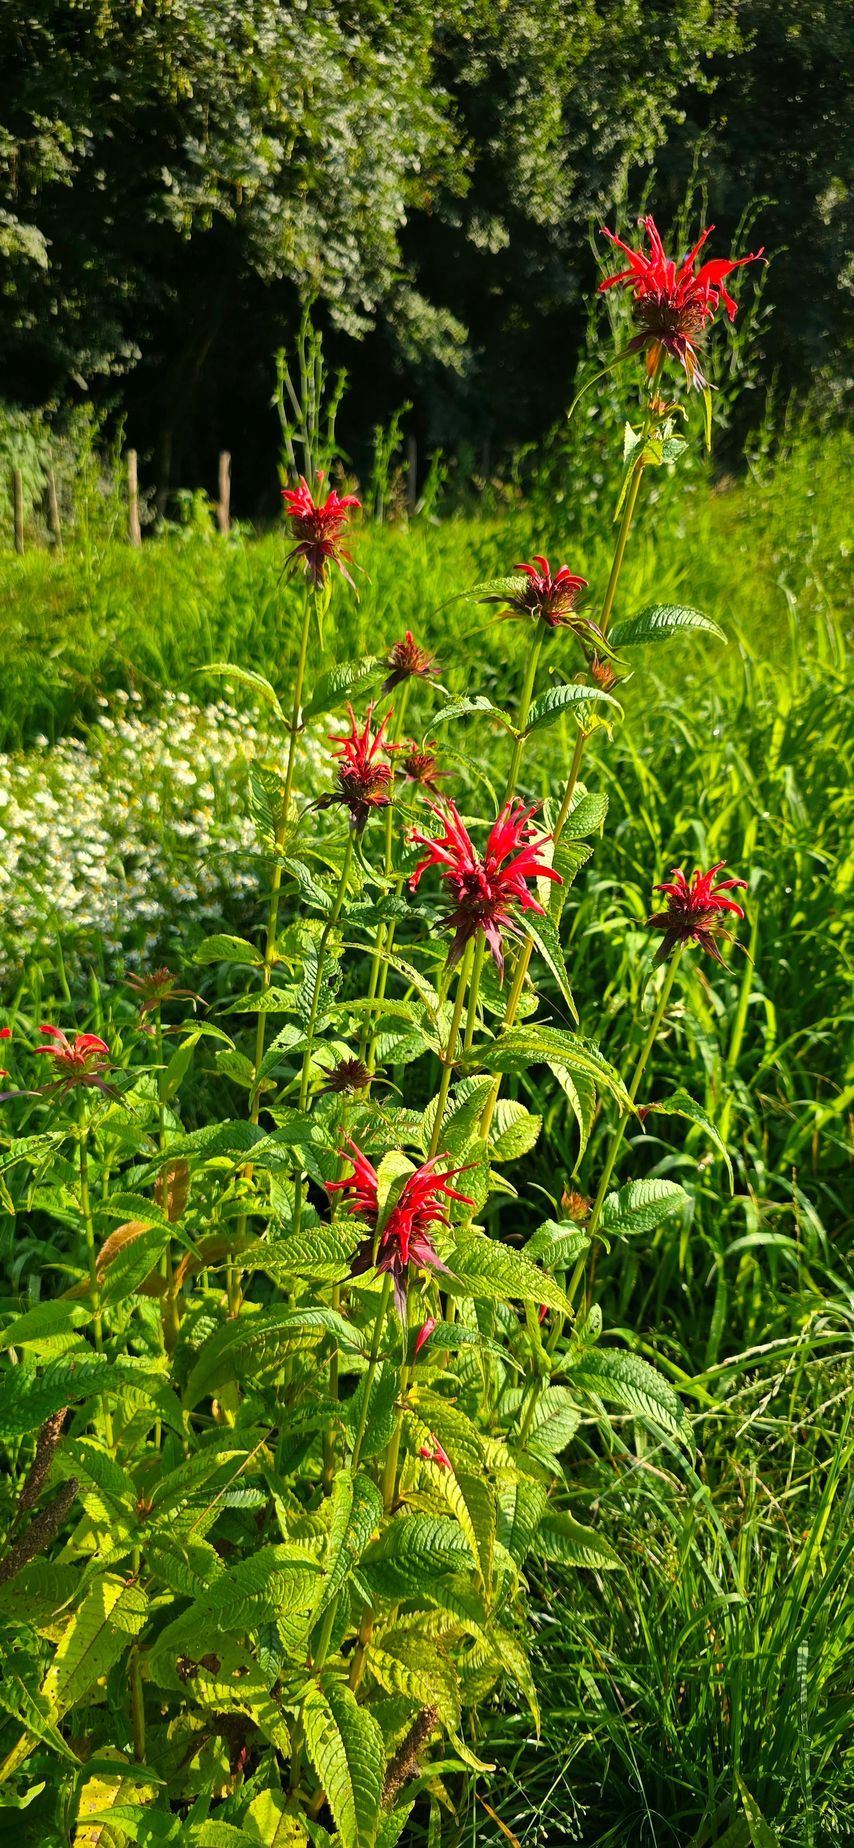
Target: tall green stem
point(379, 1325)
point(329, 926)
point(92, 1261)
point(281, 831)
point(634, 1087)
point(449, 1054)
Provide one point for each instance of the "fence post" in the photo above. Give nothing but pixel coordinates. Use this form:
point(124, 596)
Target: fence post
point(223, 511)
point(54, 521)
point(18, 509)
point(134, 529)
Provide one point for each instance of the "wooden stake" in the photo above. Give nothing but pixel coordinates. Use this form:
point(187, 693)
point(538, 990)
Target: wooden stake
point(134, 529)
point(223, 512)
point(54, 521)
point(18, 509)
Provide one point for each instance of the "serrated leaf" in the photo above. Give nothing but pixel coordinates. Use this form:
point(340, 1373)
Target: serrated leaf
point(345, 1746)
point(555, 1422)
point(556, 1244)
point(500, 587)
point(640, 1206)
point(461, 708)
point(97, 1634)
point(565, 1540)
point(404, 1663)
point(357, 1508)
point(268, 1822)
point(629, 1381)
point(544, 935)
point(548, 708)
point(587, 817)
point(227, 949)
point(515, 1130)
point(580, 1091)
point(246, 677)
point(339, 683)
point(497, 1273)
point(521, 1047)
point(255, 1344)
point(659, 622)
point(679, 1103)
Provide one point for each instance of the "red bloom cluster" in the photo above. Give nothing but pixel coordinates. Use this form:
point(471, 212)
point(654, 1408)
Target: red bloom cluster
point(406, 660)
point(545, 598)
point(317, 527)
point(82, 1060)
point(405, 1239)
point(672, 306)
point(364, 773)
point(486, 890)
point(694, 912)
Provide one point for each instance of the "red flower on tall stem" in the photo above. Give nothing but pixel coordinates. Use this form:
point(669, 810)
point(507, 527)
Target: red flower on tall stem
point(695, 912)
point(674, 305)
point(486, 890)
point(405, 1238)
point(420, 764)
point(407, 661)
point(317, 527)
point(544, 598)
point(364, 773)
point(81, 1061)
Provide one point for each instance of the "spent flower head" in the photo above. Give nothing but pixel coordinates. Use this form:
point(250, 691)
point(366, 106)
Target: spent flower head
point(420, 764)
point(407, 661)
point(696, 910)
point(157, 986)
point(346, 1078)
point(318, 526)
point(673, 305)
point(487, 889)
point(364, 772)
point(405, 1237)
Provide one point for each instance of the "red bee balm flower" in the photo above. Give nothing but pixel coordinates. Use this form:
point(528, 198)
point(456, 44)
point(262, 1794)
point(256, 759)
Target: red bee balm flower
point(673, 306)
point(404, 1239)
point(406, 660)
point(364, 780)
point(544, 598)
point(420, 764)
point(694, 912)
point(80, 1061)
point(317, 527)
point(486, 890)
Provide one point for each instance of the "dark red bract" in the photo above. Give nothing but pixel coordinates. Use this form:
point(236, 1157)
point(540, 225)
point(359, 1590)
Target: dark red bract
point(364, 773)
point(404, 1239)
point(317, 527)
point(544, 598)
point(407, 660)
point(674, 305)
point(486, 890)
point(695, 911)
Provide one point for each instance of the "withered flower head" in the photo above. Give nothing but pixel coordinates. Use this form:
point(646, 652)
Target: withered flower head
point(407, 660)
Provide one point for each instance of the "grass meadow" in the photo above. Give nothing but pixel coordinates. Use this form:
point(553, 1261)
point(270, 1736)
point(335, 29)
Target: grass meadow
point(702, 1692)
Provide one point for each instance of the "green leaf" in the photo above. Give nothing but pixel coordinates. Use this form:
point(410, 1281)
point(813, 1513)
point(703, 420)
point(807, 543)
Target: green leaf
point(555, 1422)
point(543, 933)
point(580, 1092)
point(640, 1207)
point(679, 1103)
point(587, 817)
point(659, 623)
point(345, 1746)
point(412, 1555)
point(521, 1506)
point(228, 950)
point(499, 587)
point(98, 1633)
point(556, 1244)
point(566, 1541)
point(382, 1416)
point(521, 1047)
point(339, 683)
point(268, 1822)
point(324, 1256)
point(761, 1833)
point(460, 708)
point(50, 1325)
point(496, 1273)
point(258, 1342)
point(548, 708)
point(246, 677)
point(404, 1663)
point(515, 1130)
point(612, 1373)
point(357, 1509)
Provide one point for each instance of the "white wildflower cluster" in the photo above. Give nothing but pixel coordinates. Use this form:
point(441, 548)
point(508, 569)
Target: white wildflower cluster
point(128, 834)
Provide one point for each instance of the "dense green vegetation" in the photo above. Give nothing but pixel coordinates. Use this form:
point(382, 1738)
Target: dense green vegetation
point(707, 1681)
point(176, 179)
